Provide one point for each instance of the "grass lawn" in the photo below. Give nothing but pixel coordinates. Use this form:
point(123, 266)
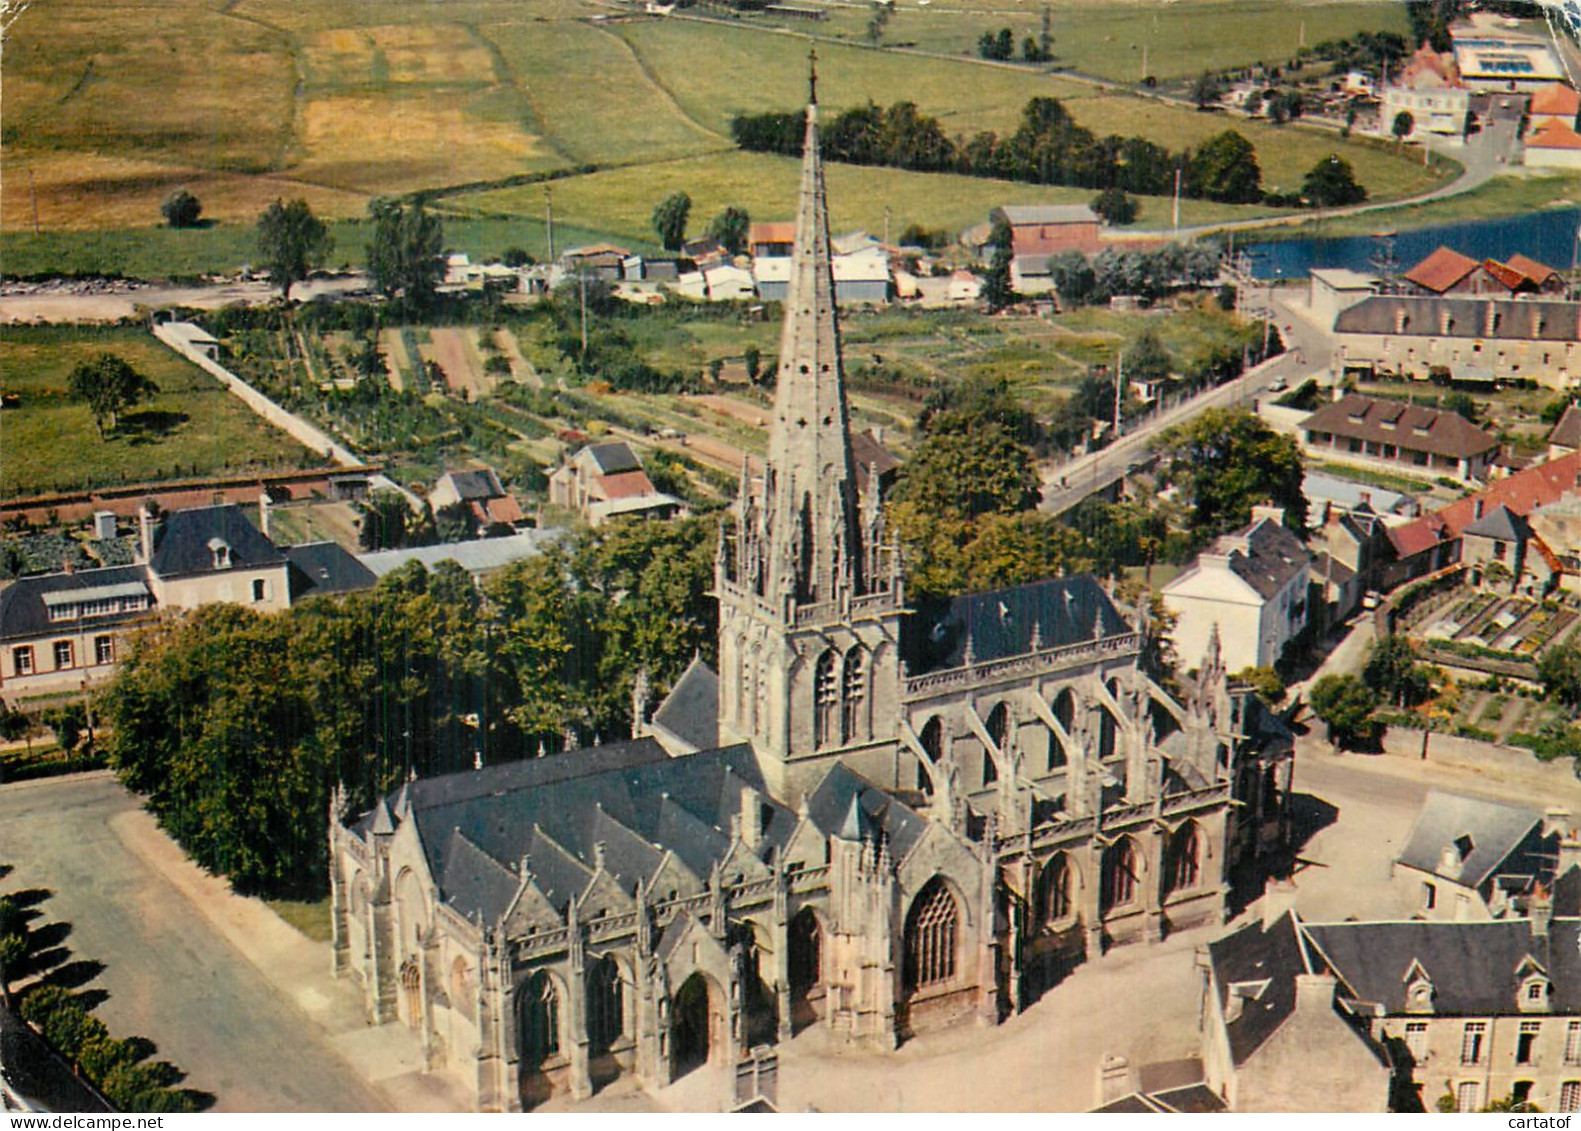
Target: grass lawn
point(1504, 196)
point(192, 426)
point(310, 919)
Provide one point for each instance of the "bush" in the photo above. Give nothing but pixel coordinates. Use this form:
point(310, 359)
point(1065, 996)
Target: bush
point(181, 209)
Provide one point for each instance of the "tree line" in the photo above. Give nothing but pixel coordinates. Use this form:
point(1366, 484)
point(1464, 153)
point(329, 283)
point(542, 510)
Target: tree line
point(237, 726)
point(1048, 147)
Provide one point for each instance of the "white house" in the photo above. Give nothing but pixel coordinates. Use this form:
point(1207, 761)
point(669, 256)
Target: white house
point(1249, 587)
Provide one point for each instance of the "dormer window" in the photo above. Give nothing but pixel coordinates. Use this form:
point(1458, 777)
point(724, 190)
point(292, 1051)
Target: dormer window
point(1533, 989)
point(1419, 992)
point(1464, 845)
point(221, 550)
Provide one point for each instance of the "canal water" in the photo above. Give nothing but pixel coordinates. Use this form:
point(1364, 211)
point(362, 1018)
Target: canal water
point(1548, 237)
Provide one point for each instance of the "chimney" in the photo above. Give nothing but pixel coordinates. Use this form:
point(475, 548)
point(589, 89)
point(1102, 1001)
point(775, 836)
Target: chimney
point(1314, 992)
point(263, 512)
point(145, 529)
point(751, 819)
point(1115, 1079)
point(1445, 321)
point(1569, 852)
point(1401, 318)
point(1540, 911)
point(104, 525)
point(1279, 896)
point(1476, 508)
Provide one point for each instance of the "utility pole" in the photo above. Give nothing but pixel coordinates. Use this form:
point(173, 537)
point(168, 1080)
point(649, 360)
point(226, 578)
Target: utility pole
point(33, 192)
point(1144, 62)
point(886, 225)
point(1177, 202)
point(581, 276)
point(1119, 383)
point(549, 220)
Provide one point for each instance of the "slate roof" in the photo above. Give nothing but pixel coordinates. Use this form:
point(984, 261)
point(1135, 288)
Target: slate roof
point(1496, 831)
point(23, 612)
point(183, 539)
point(1265, 556)
point(1524, 319)
point(843, 795)
point(871, 458)
point(630, 798)
point(1522, 492)
point(1567, 433)
point(614, 457)
point(1377, 421)
point(1441, 270)
point(691, 710)
point(1472, 965)
point(1500, 523)
point(1250, 956)
point(999, 623)
point(1566, 893)
point(477, 484)
point(37, 1073)
point(318, 568)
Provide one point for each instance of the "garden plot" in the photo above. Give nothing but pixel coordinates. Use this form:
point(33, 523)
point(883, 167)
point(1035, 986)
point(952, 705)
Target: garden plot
point(1514, 625)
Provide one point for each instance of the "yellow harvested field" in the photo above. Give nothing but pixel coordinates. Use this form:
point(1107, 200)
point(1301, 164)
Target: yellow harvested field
point(398, 53)
point(79, 191)
point(378, 144)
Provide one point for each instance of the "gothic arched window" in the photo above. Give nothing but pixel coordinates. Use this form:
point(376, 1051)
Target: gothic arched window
point(933, 745)
point(1065, 712)
point(932, 932)
point(826, 701)
point(463, 989)
point(854, 697)
point(1057, 891)
point(540, 1022)
point(1119, 873)
point(997, 724)
point(1185, 858)
point(606, 1017)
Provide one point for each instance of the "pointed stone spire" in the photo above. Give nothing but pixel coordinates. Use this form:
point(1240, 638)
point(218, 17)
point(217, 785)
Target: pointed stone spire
point(809, 457)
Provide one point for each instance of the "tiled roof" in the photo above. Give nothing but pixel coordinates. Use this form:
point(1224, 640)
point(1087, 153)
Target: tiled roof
point(1557, 100)
point(1554, 135)
point(504, 510)
point(772, 231)
point(1000, 623)
point(1441, 270)
point(1522, 492)
point(1463, 316)
point(185, 541)
point(1505, 275)
point(1356, 417)
point(626, 484)
point(1538, 273)
point(1567, 433)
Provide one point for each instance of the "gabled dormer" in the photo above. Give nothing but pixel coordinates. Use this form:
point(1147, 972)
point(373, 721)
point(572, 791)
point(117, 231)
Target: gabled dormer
point(1534, 990)
point(1239, 994)
point(1419, 990)
point(220, 551)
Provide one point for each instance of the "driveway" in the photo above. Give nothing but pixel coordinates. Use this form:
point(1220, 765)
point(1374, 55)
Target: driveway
point(170, 975)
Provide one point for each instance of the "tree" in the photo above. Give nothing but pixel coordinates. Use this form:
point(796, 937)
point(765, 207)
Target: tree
point(384, 521)
point(1264, 681)
point(292, 242)
point(1147, 359)
point(1344, 704)
point(1331, 183)
point(1206, 91)
point(181, 209)
point(752, 359)
point(999, 46)
point(109, 386)
point(1404, 123)
point(998, 291)
point(1229, 460)
point(15, 945)
point(1462, 404)
point(1393, 671)
point(984, 472)
point(517, 257)
point(730, 228)
point(879, 20)
point(406, 257)
point(669, 220)
point(1114, 207)
point(1559, 669)
point(1225, 169)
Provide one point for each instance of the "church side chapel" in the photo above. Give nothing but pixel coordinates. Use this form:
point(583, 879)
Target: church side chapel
point(874, 818)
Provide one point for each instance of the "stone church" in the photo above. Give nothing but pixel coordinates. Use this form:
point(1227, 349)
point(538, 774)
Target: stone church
point(877, 818)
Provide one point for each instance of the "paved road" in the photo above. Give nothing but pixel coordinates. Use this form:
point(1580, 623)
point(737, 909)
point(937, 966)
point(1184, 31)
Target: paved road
point(169, 974)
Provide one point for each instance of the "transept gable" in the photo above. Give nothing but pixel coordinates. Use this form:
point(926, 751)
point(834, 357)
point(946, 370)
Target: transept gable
point(687, 947)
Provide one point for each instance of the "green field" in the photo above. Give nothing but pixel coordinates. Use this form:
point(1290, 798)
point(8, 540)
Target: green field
point(192, 426)
point(1504, 196)
point(111, 106)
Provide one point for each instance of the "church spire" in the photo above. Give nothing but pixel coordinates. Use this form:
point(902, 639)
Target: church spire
point(812, 519)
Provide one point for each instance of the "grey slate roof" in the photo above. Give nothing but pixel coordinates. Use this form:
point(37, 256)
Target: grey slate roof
point(1472, 965)
point(37, 1072)
point(1269, 556)
point(23, 613)
point(318, 568)
point(476, 484)
point(1567, 433)
point(1500, 523)
point(1068, 610)
point(1534, 320)
point(1498, 837)
point(1380, 421)
point(184, 536)
point(613, 457)
point(1567, 893)
point(691, 710)
point(1255, 955)
point(845, 804)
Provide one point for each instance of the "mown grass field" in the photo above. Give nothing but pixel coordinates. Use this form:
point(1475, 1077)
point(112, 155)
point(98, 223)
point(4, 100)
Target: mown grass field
point(192, 426)
point(112, 106)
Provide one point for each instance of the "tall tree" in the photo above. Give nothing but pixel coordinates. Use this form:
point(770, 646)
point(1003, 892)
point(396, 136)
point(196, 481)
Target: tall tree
point(1147, 359)
point(669, 220)
point(1404, 122)
point(292, 242)
point(1206, 91)
point(406, 256)
point(15, 945)
point(109, 386)
point(730, 228)
point(1344, 704)
point(1224, 168)
point(1331, 183)
point(998, 291)
point(1229, 461)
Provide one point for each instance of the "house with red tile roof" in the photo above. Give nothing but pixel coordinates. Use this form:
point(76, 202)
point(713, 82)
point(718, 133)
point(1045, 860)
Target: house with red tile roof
point(604, 481)
point(1446, 272)
point(1553, 146)
point(1556, 103)
point(1547, 280)
point(1429, 88)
